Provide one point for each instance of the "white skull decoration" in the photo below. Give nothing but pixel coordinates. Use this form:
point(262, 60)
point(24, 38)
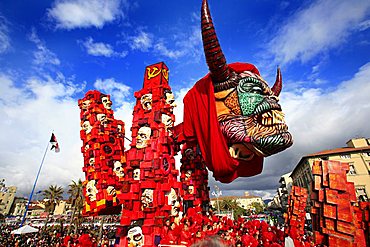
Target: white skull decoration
point(91, 190)
point(106, 102)
point(136, 174)
point(168, 123)
point(86, 126)
point(118, 169)
point(135, 237)
point(143, 137)
point(146, 101)
point(147, 198)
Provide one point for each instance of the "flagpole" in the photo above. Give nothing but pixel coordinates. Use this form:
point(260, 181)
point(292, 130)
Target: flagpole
point(34, 186)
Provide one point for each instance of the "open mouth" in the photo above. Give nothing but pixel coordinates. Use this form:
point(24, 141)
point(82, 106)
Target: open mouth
point(270, 118)
point(240, 151)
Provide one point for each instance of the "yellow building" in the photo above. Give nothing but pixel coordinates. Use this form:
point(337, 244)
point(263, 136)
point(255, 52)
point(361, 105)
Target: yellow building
point(7, 195)
point(356, 154)
point(245, 201)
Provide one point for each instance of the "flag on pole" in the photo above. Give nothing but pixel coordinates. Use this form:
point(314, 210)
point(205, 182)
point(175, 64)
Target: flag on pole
point(54, 143)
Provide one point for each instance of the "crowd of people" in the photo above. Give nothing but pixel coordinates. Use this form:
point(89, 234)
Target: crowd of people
point(191, 230)
point(239, 233)
point(57, 236)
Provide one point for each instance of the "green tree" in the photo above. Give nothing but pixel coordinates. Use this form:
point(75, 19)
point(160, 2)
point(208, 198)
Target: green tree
point(53, 195)
point(258, 207)
point(232, 205)
point(77, 199)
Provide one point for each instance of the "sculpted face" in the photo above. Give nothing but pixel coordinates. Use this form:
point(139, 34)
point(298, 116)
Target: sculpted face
point(136, 174)
point(106, 102)
point(147, 198)
point(85, 105)
point(135, 237)
point(143, 137)
point(251, 118)
point(102, 118)
point(170, 99)
point(248, 110)
point(86, 126)
point(118, 169)
point(173, 201)
point(91, 190)
point(146, 101)
point(168, 123)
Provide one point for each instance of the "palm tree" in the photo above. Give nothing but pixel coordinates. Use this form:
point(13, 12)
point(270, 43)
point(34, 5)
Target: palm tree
point(77, 198)
point(232, 205)
point(52, 195)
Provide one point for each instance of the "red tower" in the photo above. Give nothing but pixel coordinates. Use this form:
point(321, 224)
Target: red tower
point(151, 191)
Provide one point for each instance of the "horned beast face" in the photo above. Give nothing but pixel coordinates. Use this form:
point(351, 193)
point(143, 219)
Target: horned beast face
point(248, 110)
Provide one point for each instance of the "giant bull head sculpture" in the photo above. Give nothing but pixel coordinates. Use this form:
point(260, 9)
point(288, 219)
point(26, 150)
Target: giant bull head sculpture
point(250, 122)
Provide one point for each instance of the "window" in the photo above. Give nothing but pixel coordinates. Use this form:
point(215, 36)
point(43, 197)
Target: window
point(345, 156)
point(352, 170)
point(361, 194)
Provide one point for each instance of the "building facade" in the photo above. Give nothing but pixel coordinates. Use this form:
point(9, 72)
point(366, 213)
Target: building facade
point(356, 154)
point(7, 195)
point(283, 191)
point(245, 201)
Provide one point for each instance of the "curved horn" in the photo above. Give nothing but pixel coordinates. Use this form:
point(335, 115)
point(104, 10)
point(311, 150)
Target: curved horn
point(276, 89)
point(214, 56)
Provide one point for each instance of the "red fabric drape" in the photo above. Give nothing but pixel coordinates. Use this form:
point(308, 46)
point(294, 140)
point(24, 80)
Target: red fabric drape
point(200, 124)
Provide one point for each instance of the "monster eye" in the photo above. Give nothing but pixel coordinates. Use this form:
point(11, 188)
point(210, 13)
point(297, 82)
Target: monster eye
point(256, 90)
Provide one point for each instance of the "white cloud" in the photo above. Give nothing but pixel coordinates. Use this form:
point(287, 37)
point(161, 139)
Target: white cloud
point(118, 91)
point(42, 56)
point(364, 25)
point(164, 51)
point(184, 44)
point(30, 114)
point(101, 49)
point(70, 14)
point(143, 41)
point(324, 25)
point(174, 46)
point(4, 35)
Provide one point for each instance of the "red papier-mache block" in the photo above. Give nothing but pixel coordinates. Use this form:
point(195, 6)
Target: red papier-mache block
point(316, 168)
point(334, 167)
point(346, 228)
point(336, 241)
point(337, 181)
point(330, 211)
point(344, 211)
point(331, 196)
point(317, 182)
point(329, 224)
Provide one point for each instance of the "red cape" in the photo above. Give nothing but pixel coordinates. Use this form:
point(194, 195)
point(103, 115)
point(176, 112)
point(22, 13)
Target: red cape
point(200, 124)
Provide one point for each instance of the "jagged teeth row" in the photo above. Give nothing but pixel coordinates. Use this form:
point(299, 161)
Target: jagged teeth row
point(273, 117)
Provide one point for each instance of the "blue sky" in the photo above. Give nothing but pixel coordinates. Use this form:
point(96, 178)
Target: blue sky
point(52, 52)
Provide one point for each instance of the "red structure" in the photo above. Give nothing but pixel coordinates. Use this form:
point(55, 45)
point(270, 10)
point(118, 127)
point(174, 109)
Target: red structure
point(296, 215)
point(336, 220)
point(151, 191)
point(103, 152)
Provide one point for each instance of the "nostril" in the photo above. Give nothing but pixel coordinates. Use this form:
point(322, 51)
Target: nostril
point(274, 97)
